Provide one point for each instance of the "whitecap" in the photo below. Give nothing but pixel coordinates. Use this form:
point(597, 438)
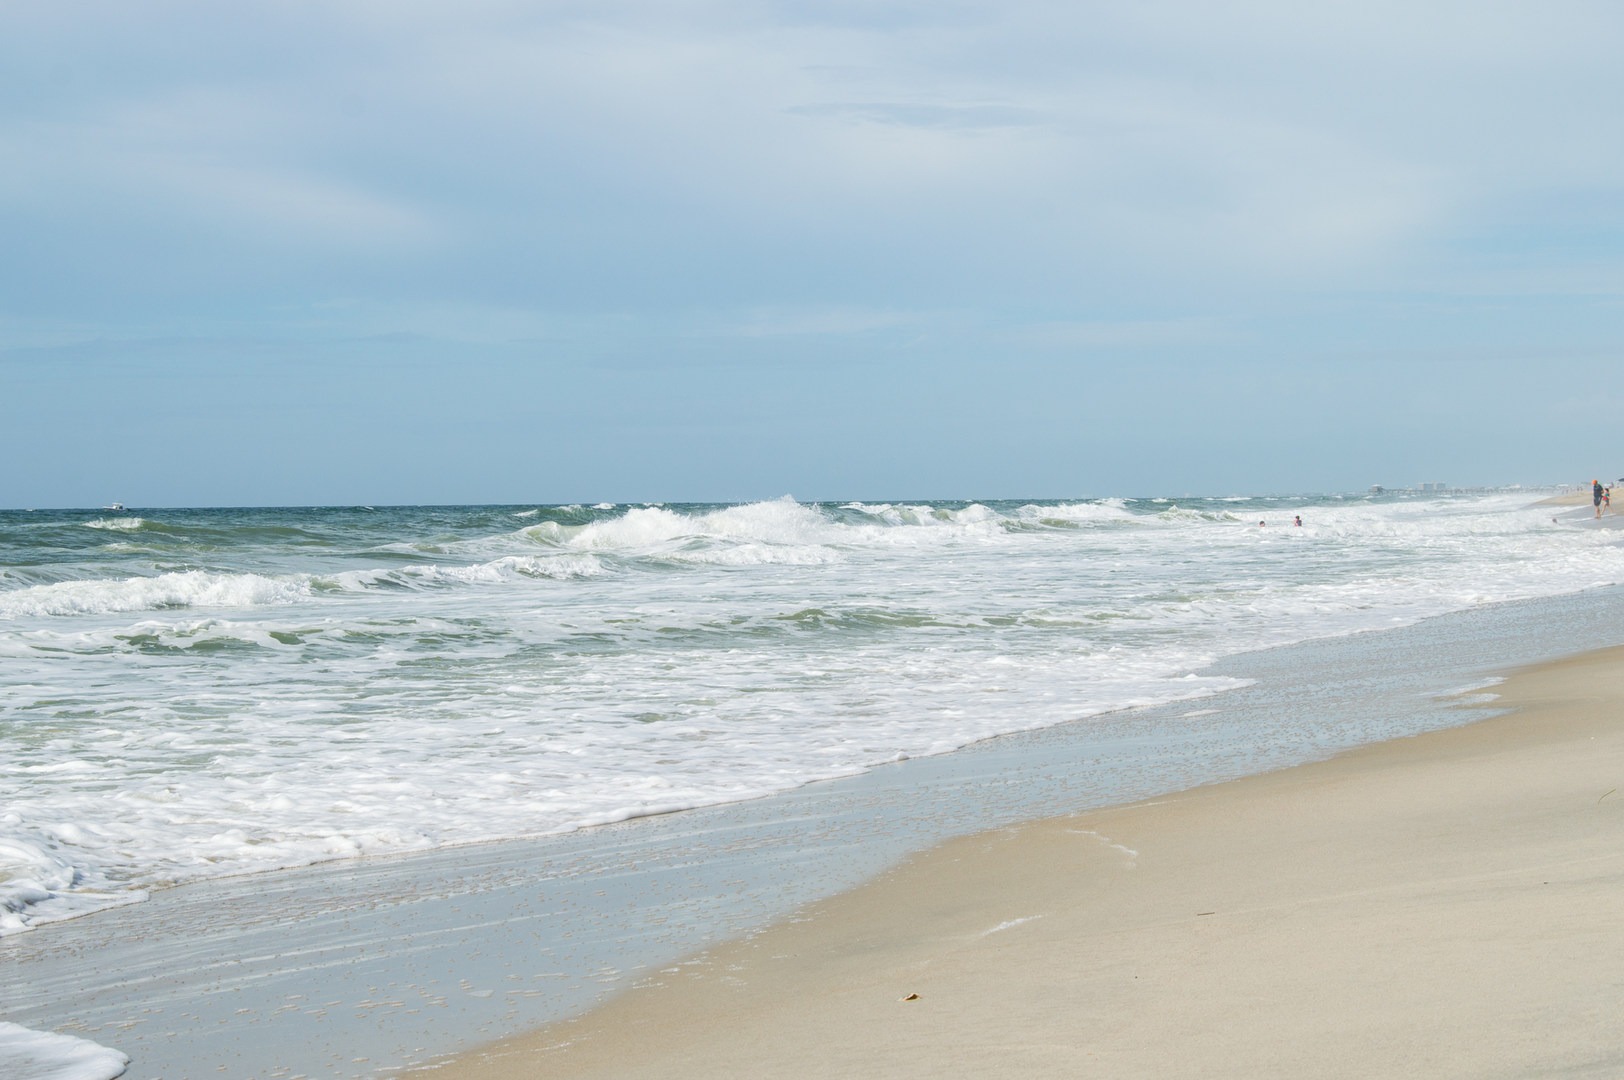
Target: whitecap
point(189, 588)
point(123, 524)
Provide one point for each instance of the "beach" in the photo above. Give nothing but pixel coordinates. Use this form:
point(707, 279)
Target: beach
point(1445, 904)
point(558, 540)
point(357, 804)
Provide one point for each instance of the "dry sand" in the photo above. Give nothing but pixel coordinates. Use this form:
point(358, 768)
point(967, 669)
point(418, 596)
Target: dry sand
point(1578, 497)
point(1445, 905)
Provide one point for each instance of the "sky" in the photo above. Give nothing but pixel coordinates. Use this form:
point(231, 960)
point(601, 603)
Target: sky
point(382, 252)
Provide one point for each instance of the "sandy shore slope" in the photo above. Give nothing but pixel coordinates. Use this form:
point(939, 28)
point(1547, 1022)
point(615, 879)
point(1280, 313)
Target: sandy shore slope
point(1580, 497)
point(1445, 905)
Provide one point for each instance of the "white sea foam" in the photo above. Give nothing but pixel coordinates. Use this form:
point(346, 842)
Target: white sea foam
point(341, 683)
point(1105, 511)
point(26, 1054)
point(507, 568)
point(29, 876)
point(1010, 924)
point(189, 588)
point(123, 524)
point(1475, 688)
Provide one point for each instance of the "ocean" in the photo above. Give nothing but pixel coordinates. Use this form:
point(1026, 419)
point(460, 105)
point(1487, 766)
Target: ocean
point(192, 694)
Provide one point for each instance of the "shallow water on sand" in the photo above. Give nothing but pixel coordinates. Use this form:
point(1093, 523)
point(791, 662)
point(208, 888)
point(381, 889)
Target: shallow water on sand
point(360, 968)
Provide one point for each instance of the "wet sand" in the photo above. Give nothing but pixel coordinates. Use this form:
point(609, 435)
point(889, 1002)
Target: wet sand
point(1449, 904)
point(365, 967)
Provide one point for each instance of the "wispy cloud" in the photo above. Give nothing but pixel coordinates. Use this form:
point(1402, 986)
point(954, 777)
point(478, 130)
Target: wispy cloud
point(915, 114)
point(815, 322)
point(1122, 334)
point(900, 155)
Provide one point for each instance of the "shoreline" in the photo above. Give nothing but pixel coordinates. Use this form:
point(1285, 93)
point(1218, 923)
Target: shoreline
point(1439, 904)
point(374, 968)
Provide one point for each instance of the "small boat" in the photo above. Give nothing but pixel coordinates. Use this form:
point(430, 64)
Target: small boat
point(115, 507)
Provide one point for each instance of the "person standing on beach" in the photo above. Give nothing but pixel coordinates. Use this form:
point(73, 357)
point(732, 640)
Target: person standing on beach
point(1595, 495)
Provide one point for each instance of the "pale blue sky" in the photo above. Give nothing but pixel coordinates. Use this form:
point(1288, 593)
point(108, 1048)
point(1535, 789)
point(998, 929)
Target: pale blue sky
point(380, 252)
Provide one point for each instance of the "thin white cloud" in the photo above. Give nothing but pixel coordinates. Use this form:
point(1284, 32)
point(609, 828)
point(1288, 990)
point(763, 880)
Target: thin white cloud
point(1262, 144)
point(228, 163)
point(284, 208)
point(922, 114)
point(815, 322)
point(1122, 334)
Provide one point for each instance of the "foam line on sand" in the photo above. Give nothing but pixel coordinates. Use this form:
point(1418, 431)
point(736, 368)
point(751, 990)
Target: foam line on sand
point(1450, 904)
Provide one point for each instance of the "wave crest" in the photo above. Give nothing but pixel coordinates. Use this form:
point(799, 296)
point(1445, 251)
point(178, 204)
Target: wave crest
point(183, 589)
